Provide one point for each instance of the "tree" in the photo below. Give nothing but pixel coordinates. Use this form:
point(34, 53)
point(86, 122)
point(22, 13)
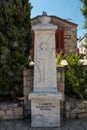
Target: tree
point(84, 11)
point(15, 42)
point(85, 43)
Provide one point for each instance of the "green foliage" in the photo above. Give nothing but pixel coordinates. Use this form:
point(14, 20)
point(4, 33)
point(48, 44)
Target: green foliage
point(84, 11)
point(75, 77)
point(84, 45)
point(85, 42)
point(59, 58)
point(15, 42)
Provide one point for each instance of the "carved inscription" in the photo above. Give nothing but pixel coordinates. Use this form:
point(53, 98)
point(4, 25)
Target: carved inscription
point(45, 106)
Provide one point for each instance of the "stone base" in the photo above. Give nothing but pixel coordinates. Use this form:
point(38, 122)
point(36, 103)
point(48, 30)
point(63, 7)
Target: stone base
point(45, 109)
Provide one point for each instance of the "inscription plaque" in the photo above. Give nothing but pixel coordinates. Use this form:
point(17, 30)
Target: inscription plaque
point(45, 111)
point(45, 106)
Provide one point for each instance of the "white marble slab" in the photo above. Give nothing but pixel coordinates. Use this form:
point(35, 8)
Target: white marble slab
point(45, 113)
point(45, 65)
point(45, 109)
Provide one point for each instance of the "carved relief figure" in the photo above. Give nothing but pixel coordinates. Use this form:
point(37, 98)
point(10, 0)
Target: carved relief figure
point(44, 68)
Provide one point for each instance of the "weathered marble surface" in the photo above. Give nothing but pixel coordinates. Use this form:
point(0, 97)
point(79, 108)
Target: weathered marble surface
point(45, 95)
point(45, 109)
point(45, 65)
point(45, 100)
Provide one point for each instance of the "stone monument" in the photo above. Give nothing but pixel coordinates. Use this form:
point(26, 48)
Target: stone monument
point(45, 98)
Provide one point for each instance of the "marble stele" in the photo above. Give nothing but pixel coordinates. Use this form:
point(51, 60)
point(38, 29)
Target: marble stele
point(45, 98)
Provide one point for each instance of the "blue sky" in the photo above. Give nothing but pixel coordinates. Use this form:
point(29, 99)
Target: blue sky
point(66, 9)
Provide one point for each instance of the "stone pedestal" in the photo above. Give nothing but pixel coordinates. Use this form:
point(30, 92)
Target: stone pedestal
point(45, 109)
point(45, 99)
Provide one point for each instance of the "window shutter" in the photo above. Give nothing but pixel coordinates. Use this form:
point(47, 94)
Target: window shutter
point(60, 41)
point(32, 48)
point(56, 40)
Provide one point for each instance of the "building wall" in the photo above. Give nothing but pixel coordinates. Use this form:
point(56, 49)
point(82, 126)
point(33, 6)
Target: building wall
point(82, 49)
point(71, 42)
point(70, 35)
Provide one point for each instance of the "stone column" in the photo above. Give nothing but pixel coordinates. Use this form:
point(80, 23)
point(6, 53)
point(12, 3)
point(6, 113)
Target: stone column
point(45, 99)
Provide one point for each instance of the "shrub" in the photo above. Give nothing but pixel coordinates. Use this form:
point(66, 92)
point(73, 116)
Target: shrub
point(59, 58)
point(75, 77)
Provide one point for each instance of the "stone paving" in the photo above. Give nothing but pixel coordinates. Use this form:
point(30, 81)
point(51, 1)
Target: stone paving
point(75, 124)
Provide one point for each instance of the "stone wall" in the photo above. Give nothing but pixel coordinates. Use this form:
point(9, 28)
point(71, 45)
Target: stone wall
point(28, 76)
point(61, 80)
point(75, 108)
point(69, 107)
point(11, 111)
point(61, 88)
point(28, 87)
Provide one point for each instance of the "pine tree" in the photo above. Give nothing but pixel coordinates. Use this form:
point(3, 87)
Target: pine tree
point(15, 42)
